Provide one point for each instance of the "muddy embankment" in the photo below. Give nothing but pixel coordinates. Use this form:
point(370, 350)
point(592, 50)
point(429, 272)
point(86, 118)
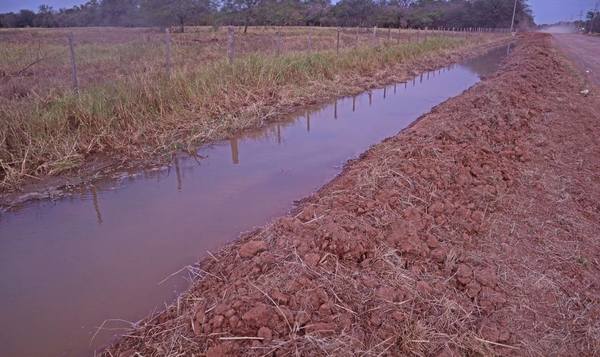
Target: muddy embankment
point(102, 166)
point(476, 231)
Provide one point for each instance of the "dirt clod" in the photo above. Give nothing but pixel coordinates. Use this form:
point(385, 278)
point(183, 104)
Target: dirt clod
point(265, 333)
point(252, 248)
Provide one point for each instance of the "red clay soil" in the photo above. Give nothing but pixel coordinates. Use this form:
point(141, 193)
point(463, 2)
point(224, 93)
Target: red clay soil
point(475, 232)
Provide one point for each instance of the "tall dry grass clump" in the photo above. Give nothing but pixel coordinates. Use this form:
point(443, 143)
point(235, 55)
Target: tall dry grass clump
point(147, 114)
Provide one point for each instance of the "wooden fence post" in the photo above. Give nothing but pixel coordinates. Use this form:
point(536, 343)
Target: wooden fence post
point(230, 44)
point(375, 35)
point(168, 52)
point(309, 42)
point(73, 64)
point(357, 36)
point(278, 42)
point(337, 42)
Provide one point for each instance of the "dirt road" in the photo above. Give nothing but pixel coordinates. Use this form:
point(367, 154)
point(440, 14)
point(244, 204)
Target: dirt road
point(583, 50)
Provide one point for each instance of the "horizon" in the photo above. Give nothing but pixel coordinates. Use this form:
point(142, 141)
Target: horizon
point(544, 11)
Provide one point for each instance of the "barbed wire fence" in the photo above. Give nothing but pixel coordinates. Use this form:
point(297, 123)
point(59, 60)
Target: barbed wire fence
point(234, 44)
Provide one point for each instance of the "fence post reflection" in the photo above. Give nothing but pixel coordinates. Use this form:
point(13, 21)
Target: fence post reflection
point(96, 205)
point(233, 143)
point(278, 134)
point(335, 114)
point(177, 173)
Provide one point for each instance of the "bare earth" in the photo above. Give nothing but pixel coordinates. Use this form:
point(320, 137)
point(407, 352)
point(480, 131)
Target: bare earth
point(474, 232)
point(584, 50)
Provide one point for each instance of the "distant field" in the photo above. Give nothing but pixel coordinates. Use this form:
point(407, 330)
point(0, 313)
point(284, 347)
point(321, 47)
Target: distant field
point(128, 105)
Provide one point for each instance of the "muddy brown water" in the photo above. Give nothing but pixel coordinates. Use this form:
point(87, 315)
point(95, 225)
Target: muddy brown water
point(68, 266)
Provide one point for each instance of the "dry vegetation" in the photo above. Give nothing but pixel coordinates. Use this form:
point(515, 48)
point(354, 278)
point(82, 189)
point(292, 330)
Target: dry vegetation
point(128, 107)
point(475, 232)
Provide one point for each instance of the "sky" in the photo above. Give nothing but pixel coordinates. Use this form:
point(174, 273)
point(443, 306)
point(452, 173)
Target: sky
point(545, 11)
point(551, 11)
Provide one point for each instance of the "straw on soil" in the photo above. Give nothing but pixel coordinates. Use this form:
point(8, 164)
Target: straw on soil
point(475, 232)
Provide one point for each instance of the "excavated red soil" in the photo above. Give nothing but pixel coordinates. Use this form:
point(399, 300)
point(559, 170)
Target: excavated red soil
point(475, 232)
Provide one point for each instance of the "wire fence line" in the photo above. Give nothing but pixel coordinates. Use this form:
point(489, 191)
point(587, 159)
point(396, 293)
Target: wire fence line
point(170, 51)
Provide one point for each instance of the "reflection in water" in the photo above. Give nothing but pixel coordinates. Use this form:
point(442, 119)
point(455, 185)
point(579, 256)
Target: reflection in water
point(57, 286)
point(335, 109)
point(96, 206)
point(278, 134)
point(177, 172)
point(233, 143)
point(384, 92)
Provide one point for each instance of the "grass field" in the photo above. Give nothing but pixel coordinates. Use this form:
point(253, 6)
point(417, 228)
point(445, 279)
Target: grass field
point(128, 105)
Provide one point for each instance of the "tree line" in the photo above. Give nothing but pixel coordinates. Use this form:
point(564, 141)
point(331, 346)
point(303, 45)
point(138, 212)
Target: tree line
point(181, 13)
point(592, 24)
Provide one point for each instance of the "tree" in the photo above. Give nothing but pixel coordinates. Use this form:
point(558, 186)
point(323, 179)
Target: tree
point(119, 13)
point(245, 8)
point(354, 12)
point(593, 21)
point(280, 12)
point(25, 18)
point(8, 20)
point(315, 11)
point(498, 13)
point(413, 13)
point(169, 12)
point(45, 17)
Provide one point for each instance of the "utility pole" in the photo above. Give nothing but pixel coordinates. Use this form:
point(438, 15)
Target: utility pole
point(593, 19)
point(512, 24)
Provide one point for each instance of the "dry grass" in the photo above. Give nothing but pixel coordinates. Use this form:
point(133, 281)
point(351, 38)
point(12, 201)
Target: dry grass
point(129, 107)
point(40, 57)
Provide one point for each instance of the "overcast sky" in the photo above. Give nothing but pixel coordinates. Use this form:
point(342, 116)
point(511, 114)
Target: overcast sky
point(545, 11)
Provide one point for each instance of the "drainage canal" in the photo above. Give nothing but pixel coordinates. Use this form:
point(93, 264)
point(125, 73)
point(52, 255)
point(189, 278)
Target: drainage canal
point(67, 266)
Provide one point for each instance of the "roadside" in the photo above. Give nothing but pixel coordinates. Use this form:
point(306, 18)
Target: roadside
point(584, 51)
point(151, 143)
point(473, 232)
